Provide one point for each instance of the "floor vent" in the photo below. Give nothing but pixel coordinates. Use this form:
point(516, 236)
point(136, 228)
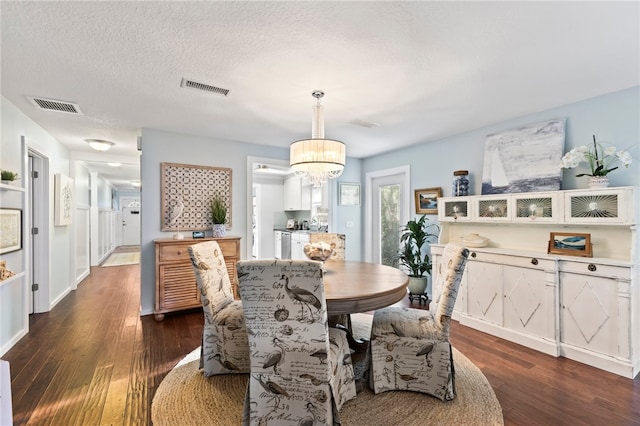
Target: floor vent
point(190, 84)
point(55, 105)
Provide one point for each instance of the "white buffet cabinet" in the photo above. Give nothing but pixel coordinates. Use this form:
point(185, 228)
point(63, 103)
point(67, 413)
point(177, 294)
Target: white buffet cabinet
point(583, 308)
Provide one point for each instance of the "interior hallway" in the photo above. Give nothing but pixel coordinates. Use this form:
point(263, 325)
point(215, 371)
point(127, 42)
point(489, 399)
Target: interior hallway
point(93, 360)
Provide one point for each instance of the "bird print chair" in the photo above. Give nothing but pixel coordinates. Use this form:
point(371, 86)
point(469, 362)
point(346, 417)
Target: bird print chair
point(225, 348)
point(410, 348)
point(301, 371)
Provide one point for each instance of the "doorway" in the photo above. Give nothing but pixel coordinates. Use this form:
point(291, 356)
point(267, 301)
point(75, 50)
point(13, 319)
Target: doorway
point(38, 215)
point(131, 224)
point(388, 192)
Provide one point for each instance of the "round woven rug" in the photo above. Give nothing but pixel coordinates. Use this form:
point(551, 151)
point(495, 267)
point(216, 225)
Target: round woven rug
point(186, 397)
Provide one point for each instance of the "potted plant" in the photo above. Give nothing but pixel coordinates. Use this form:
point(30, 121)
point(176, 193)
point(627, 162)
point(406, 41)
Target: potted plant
point(413, 253)
point(218, 209)
point(7, 176)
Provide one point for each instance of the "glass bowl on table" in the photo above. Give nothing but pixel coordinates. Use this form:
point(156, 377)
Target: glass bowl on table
point(320, 251)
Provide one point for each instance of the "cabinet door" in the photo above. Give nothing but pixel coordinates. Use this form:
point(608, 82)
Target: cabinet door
point(292, 193)
point(536, 208)
point(599, 206)
point(277, 244)
point(588, 314)
point(454, 209)
point(484, 291)
point(524, 305)
point(492, 209)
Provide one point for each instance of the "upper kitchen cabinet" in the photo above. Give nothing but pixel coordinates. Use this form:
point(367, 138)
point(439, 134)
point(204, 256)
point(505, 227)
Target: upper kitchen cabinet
point(297, 194)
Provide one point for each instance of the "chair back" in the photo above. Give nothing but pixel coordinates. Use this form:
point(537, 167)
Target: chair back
point(286, 318)
point(454, 259)
point(212, 277)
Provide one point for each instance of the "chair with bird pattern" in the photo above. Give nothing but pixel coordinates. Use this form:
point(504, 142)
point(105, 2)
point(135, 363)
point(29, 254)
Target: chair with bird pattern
point(410, 348)
point(225, 347)
point(301, 371)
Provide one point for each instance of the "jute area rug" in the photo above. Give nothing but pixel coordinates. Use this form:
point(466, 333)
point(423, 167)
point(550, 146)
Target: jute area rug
point(186, 397)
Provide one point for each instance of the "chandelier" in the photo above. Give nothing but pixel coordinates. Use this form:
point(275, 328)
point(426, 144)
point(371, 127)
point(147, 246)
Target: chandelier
point(317, 159)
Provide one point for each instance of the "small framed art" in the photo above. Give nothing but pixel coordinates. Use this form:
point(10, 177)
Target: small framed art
point(349, 194)
point(11, 230)
point(427, 200)
point(570, 244)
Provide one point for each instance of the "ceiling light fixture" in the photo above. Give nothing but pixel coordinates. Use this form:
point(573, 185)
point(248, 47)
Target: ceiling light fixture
point(136, 183)
point(317, 159)
point(115, 164)
point(99, 144)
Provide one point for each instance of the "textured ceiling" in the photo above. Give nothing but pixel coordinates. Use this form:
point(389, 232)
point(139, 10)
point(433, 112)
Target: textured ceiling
point(419, 70)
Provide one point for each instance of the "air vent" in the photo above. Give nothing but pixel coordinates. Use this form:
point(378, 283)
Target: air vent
point(55, 105)
point(363, 123)
point(190, 84)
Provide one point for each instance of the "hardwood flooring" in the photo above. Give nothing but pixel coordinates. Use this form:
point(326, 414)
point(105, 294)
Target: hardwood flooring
point(93, 360)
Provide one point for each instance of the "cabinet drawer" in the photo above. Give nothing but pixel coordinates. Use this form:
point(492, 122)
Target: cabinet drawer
point(533, 262)
point(179, 252)
point(596, 269)
point(174, 252)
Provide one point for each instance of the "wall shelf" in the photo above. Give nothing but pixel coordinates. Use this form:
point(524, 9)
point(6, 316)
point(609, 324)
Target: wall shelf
point(7, 187)
point(11, 279)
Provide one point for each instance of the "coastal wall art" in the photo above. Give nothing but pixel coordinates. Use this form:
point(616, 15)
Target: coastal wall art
point(186, 195)
point(63, 196)
point(526, 159)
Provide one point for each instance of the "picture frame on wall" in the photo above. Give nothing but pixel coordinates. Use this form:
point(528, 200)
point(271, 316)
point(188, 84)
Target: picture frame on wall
point(63, 196)
point(10, 230)
point(427, 200)
point(348, 194)
point(570, 244)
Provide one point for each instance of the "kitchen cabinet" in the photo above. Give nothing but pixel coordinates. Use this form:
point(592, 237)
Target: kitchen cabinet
point(297, 194)
point(298, 241)
point(586, 309)
point(176, 287)
point(277, 244)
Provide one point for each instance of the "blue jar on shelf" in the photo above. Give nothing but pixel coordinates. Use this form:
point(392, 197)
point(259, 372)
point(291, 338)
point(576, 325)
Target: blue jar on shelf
point(460, 183)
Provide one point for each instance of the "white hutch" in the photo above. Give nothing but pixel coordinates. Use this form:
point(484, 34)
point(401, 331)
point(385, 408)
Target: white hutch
point(583, 308)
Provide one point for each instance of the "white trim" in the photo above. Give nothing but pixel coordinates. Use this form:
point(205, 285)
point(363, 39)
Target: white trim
point(405, 200)
point(41, 297)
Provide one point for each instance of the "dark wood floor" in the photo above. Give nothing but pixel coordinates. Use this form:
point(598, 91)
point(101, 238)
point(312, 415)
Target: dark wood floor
point(93, 360)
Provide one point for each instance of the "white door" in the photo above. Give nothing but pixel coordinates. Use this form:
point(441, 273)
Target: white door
point(388, 209)
point(131, 226)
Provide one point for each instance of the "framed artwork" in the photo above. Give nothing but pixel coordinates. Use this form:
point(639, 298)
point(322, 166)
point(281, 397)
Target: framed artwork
point(526, 159)
point(10, 230)
point(427, 200)
point(186, 195)
point(348, 194)
point(570, 243)
point(63, 199)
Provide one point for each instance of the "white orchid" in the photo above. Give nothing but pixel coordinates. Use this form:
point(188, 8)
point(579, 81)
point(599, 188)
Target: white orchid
point(600, 158)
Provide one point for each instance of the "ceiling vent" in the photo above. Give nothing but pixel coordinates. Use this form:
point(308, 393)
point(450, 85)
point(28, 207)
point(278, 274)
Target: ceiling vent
point(55, 105)
point(363, 123)
point(190, 84)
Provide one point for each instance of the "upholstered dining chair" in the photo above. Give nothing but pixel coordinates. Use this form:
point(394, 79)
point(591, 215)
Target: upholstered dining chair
point(225, 347)
point(410, 348)
point(301, 370)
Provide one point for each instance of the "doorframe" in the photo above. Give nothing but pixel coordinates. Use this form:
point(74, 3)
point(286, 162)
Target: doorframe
point(40, 252)
point(249, 193)
point(405, 199)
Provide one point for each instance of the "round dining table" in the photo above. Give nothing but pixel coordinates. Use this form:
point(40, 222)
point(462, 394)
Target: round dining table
point(352, 286)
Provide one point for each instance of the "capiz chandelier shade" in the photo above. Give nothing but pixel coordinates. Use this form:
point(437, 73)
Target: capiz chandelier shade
point(317, 159)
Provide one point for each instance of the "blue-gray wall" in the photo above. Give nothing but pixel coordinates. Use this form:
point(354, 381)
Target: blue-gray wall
point(614, 118)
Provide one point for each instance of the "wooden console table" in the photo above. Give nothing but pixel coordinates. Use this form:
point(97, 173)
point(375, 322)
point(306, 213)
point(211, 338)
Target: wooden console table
point(176, 287)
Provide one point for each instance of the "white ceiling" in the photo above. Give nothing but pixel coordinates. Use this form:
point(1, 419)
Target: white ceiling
point(419, 70)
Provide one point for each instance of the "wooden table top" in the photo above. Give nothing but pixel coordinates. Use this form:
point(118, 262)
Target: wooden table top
point(352, 286)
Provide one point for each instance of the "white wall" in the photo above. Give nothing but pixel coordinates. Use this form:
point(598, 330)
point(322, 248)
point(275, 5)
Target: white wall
point(270, 204)
point(16, 124)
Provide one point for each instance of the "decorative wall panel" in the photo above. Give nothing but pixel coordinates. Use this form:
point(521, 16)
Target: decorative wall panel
point(186, 193)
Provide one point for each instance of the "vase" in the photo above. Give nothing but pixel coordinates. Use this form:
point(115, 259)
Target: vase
point(218, 230)
point(598, 182)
